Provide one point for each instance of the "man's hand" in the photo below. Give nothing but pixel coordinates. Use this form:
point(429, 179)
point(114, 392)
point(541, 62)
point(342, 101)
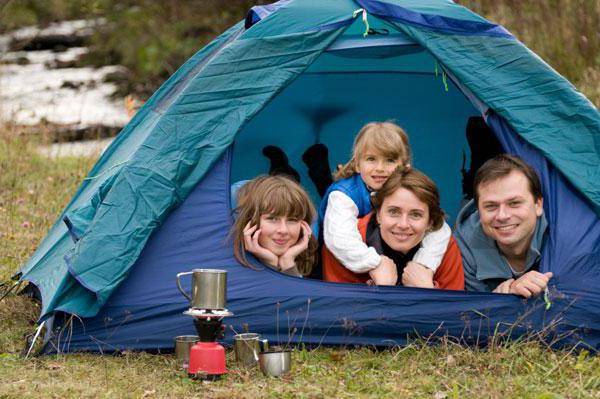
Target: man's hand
point(251, 234)
point(417, 275)
point(504, 287)
point(385, 273)
point(288, 259)
point(530, 284)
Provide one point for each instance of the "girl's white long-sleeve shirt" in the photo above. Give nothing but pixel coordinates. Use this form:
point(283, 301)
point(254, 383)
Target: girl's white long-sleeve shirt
point(342, 238)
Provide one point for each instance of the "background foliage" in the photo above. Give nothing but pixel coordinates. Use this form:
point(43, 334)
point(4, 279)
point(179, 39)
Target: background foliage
point(153, 38)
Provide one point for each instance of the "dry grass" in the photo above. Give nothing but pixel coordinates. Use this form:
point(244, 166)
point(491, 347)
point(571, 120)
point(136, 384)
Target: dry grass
point(445, 371)
point(565, 33)
point(34, 191)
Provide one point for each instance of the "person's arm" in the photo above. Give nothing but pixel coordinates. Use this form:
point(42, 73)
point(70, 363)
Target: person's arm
point(287, 261)
point(450, 275)
point(251, 234)
point(342, 238)
point(386, 273)
point(433, 247)
point(416, 275)
point(529, 285)
point(469, 267)
point(292, 271)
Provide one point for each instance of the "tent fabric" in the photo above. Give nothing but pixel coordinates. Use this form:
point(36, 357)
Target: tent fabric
point(283, 308)
point(534, 99)
point(157, 201)
point(174, 156)
point(573, 250)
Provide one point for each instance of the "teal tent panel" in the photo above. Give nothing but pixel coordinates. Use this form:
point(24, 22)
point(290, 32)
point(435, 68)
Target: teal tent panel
point(190, 135)
point(445, 8)
point(331, 106)
point(542, 106)
point(180, 132)
point(301, 16)
point(121, 150)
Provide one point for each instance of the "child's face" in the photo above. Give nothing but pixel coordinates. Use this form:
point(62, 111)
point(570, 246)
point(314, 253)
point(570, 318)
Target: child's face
point(375, 168)
point(278, 233)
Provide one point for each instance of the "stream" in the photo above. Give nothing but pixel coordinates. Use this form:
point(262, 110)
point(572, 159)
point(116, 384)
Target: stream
point(41, 88)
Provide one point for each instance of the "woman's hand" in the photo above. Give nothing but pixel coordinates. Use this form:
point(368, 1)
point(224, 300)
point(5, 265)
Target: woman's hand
point(288, 259)
point(251, 234)
point(385, 273)
point(417, 275)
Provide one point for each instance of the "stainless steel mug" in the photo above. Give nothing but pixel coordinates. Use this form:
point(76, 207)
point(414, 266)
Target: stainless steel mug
point(208, 288)
point(275, 363)
point(247, 347)
point(183, 344)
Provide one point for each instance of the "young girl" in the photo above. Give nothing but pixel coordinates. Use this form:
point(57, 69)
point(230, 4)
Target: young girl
point(379, 148)
point(273, 224)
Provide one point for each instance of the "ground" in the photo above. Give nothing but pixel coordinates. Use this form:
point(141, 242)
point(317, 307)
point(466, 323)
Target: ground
point(34, 190)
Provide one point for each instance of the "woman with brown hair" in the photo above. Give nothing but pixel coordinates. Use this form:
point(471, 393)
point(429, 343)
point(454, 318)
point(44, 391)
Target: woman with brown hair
point(273, 223)
point(405, 209)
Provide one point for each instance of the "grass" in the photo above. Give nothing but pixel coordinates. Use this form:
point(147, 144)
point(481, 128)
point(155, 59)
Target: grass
point(440, 372)
point(34, 190)
point(563, 32)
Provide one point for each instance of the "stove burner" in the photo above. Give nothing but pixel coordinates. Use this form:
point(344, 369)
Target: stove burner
point(208, 313)
point(207, 357)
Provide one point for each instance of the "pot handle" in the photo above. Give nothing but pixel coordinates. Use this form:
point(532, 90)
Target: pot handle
point(264, 346)
point(179, 285)
point(264, 343)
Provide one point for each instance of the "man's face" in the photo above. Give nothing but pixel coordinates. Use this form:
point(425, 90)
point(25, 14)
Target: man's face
point(508, 212)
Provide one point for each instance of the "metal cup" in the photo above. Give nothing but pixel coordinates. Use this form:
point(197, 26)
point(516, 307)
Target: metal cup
point(247, 347)
point(275, 363)
point(183, 345)
point(208, 288)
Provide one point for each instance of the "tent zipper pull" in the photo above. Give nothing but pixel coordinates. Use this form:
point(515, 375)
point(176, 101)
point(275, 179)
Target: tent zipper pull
point(364, 18)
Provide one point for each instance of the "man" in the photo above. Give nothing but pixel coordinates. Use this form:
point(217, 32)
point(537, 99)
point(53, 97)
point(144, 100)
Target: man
point(502, 230)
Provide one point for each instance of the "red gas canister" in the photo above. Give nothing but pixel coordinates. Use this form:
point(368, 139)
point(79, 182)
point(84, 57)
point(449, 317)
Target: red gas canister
point(207, 359)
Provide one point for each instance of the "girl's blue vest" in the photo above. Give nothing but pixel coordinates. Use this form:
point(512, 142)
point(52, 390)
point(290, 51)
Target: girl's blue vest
point(355, 188)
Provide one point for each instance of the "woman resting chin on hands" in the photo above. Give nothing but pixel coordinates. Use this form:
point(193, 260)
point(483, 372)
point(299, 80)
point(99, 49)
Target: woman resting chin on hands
point(273, 220)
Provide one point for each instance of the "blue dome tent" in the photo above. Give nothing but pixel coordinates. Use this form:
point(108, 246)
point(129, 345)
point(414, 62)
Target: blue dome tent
point(296, 73)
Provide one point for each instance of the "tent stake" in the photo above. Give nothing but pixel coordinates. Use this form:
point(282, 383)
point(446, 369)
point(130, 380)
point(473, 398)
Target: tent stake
point(37, 334)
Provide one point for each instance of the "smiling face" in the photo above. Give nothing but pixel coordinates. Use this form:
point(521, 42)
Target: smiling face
point(375, 168)
point(509, 212)
point(403, 220)
point(278, 233)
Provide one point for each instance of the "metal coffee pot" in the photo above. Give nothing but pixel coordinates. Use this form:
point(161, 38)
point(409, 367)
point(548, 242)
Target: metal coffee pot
point(208, 288)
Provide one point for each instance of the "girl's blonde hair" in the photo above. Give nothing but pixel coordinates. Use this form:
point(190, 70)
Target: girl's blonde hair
point(385, 138)
point(279, 196)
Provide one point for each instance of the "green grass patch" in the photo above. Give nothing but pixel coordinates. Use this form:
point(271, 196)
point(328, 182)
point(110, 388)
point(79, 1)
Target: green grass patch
point(36, 188)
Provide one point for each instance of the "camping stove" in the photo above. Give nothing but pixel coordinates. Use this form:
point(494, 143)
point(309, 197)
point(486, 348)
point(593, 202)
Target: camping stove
point(207, 356)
